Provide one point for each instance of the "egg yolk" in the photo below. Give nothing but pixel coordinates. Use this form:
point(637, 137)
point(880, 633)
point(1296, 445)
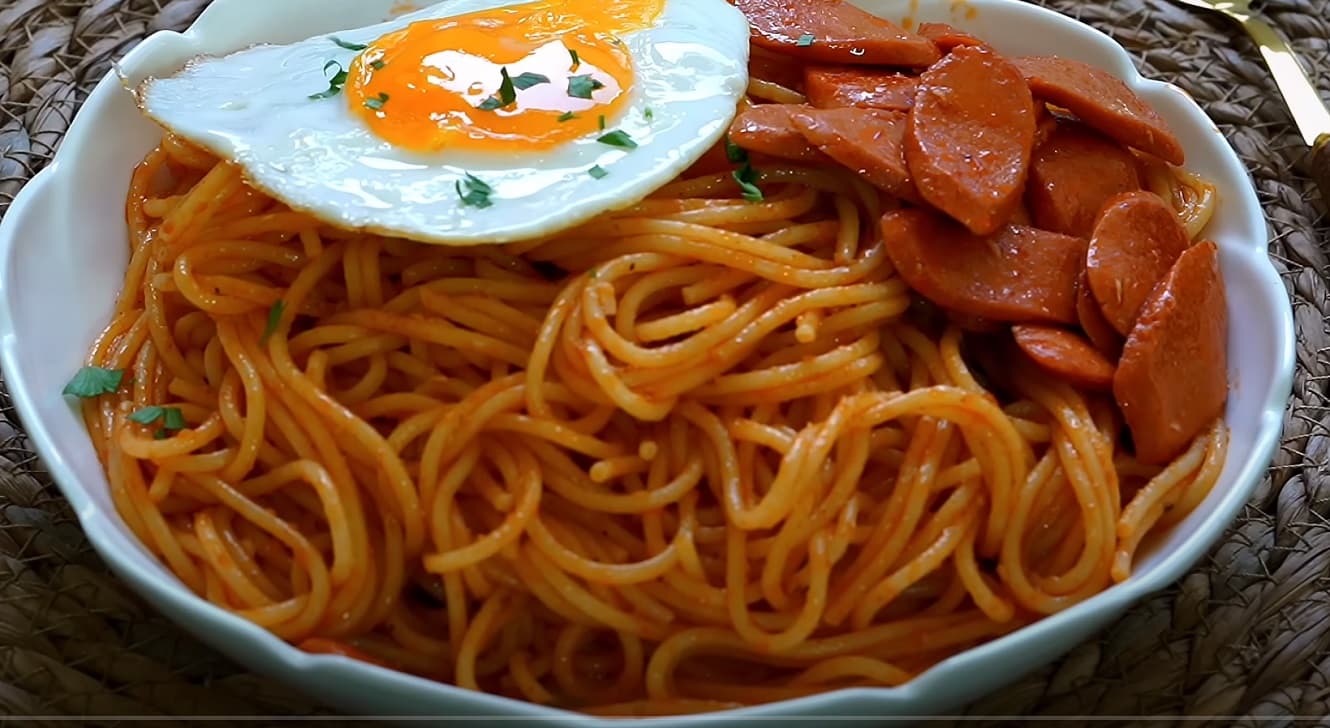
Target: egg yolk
point(527, 76)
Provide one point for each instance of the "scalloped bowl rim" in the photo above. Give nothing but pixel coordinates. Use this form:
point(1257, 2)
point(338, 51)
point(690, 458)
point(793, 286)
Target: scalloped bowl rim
point(49, 198)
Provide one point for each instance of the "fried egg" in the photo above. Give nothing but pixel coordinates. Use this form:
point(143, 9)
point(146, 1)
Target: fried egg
point(471, 121)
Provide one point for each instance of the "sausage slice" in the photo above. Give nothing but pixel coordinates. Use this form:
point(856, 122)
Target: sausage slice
point(834, 31)
point(1074, 173)
point(1172, 381)
point(1136, 241)
point(1097, 328)
point(771, 129)
point(868, 141)
point(778, 68)
point(1066, 355)
point(1103, 101)
point(1018, 275)
point(947, 37)
point(970, 137)
point(829, 87)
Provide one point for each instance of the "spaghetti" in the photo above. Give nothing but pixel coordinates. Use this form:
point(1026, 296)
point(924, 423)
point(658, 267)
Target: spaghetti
point(696, 454)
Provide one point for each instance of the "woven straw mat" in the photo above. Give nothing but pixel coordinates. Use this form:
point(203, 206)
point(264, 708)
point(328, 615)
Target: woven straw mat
point(1245, 634)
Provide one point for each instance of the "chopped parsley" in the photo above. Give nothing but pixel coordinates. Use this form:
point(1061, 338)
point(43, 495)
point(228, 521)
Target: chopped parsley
point(348, 46)
point(94, 382)
point(805, 40)
point(377, 65)
point(745, 175)
point(576, 61)
point(747, 178)
point(274, 318)
point(618, 138)
point(506, 96)
point(376, 103)
point(735, 153)
point(581, 87)
point(567, 116)
point(524, 81)
point(597, 172)
point(335, 82)
point(474, 192)
point(601, 122)
point(171, 417)
point(648, 114)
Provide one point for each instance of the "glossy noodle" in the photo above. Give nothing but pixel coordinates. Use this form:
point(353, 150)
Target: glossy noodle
point(696, 454)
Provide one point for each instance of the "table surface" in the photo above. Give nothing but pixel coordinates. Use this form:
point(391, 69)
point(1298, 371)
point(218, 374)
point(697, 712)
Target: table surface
point(1246, 633)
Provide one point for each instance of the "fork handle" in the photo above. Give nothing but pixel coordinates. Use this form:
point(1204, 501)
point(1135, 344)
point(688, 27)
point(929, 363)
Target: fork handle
point(1320, 166)
point(1304, 102)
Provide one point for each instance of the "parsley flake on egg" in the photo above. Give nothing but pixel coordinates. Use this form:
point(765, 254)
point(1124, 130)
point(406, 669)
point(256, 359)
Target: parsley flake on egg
point(474, 192)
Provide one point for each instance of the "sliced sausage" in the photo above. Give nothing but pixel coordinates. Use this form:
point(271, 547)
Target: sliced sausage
point(713, 161)
point(771, 129)
point(1018, 275)
point(1103, 101)
point(970, 137)
point(1073, 174)
point(1066, 355)
point(1172, 381)
point(834, 31)
point(1097, 328)
point(829, 87)
point(868, 141)
point(947, 37)
point(778, 68)
point(974, 324)
point(1136, 241)
point(1045, 122)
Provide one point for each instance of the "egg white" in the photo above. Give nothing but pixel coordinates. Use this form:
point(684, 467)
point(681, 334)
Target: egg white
point(253, 108)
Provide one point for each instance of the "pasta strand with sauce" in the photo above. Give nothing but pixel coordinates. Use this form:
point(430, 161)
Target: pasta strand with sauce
point(699, 453)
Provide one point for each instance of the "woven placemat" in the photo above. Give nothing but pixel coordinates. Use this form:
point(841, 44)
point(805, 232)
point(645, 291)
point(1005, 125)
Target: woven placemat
point(1245, 634)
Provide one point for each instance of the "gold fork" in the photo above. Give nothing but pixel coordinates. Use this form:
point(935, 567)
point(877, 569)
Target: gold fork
point(1308, 109)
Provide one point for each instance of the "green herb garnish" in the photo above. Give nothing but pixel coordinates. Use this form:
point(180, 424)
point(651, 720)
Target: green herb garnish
point(171, 417)
point(506, 96)
point(376, 103)
point(735, 153)
point(576, 61)
point(377, 65)
point(581, 87)
point(597, 172)
point(648, 114)
point(274, 318)
point(348, 46)
point(524, 81)
point(94, 382)
point(567, 116)
point(335, 82)
point(747, 178)
point(618, 138)
point(601, 122)
point(805, 40)
point(474, 192)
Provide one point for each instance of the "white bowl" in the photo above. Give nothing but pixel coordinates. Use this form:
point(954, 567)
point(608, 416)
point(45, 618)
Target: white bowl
point(63, 252)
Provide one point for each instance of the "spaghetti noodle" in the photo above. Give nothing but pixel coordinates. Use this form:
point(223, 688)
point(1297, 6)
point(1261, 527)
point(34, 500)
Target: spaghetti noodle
point(699, 453)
